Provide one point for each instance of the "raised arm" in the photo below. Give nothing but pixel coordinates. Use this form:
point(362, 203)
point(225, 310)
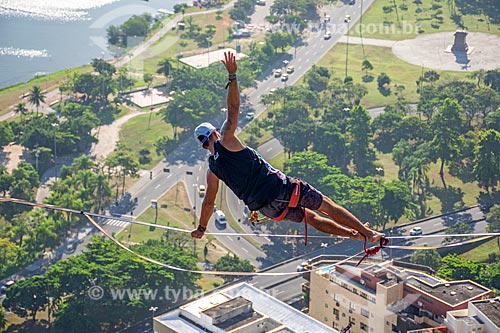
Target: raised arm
point(233, 103)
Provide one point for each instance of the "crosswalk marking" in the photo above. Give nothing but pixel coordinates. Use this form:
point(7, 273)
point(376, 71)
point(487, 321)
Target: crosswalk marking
point(115, 223)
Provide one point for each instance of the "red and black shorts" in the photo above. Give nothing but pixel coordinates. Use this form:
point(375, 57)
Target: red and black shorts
point(310, 198)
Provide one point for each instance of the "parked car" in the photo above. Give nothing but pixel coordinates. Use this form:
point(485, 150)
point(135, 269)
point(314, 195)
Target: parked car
point(249, 116)
point(416, 231)
point(277, 72)
point(327, 35)
point(284, 77)
point(201, 190)
point(290, 69)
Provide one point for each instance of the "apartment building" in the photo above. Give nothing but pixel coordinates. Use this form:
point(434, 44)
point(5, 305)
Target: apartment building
point(239, 308)
point(381, 297)
point(479, 317)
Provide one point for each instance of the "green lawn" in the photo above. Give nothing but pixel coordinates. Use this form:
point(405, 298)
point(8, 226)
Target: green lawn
point(429, 17)
point(169, 46)
point(137, 135)
point(383, 61)
point(480, 253)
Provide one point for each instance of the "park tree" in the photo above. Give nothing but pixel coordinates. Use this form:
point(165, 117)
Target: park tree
point(296, 136)
point(103, 67)
point(385, 127)
point(329, 140)
point(280, 40)
point(114, 35)
point(242, 10)
point(448, 125)
point(36, 97)
point(492, 121)
point(359, 137)
point(366, 66)
point(488, 101)
point(3, 319)
point(459, 228)
point(455, 268)
point(383, 81)
point(165, 67)
point(395, 201)
point(124, 163)
point(310, 166)
point(492, 79)
point(487, 159)
point(493, 219)
point(232, 263)
point(137, 25)
point(27, 297)
point(317, 78)
point(20, 109)
point(427, 257)
point(6, 133)
point(148, 79)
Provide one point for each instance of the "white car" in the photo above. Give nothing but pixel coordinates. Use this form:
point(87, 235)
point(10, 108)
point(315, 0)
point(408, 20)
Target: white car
point(416, 231)
point(327, 35)
point(201, 190)
point(220, 218)
point(249, 116)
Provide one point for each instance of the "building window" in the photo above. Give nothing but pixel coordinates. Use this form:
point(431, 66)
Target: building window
point(326, 319)
point(352, 306)
point(335, 325)
point(363, 326)
point(326, 305)
point(336, 312)
point(365, 313)
point(326, 291)
point(337, 298)
point(352, 320)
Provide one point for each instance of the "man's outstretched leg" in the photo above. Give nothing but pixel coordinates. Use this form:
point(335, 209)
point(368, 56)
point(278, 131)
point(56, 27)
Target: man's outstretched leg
point(329, 226)
point(342, 216)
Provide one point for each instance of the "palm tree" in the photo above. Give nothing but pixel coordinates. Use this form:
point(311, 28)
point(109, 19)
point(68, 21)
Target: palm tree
point(21, 109)
point(165, 67)
point(36, 96)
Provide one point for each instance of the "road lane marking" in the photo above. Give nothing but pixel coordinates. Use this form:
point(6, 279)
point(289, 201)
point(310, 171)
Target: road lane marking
point(244, 250)
point(156, 187)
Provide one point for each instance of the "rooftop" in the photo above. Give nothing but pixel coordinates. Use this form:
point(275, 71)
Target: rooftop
point(452, 293)
point(490, 308)
point(236, 306)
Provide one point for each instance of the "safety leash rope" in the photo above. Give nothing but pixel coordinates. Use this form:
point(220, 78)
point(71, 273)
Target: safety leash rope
point(374, 249)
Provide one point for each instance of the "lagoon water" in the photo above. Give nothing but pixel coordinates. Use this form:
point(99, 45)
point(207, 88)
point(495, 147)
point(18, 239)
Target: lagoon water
point(45, 36)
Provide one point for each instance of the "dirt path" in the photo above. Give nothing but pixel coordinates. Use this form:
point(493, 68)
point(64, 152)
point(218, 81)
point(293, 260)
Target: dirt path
point(109, 135)
point(11, 155)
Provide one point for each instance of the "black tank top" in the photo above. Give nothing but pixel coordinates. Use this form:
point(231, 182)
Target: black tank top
point(248, 175)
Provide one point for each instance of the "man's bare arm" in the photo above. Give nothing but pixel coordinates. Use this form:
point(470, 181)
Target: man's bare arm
point(207, 206)
point(233, 97)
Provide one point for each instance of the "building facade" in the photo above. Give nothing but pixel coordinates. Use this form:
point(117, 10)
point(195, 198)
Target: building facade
point(381, 297)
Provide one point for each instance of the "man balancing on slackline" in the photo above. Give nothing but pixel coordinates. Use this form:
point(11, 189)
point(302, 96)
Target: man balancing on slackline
point(262, 187)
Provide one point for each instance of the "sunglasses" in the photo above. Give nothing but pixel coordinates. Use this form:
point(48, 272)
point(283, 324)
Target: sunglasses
point(204, 139)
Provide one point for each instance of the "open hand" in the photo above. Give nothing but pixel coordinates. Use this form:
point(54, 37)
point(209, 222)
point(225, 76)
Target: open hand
point(230, 62)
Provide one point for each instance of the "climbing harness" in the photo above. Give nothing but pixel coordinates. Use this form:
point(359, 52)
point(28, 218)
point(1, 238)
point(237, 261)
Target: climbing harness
point(294, 201)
